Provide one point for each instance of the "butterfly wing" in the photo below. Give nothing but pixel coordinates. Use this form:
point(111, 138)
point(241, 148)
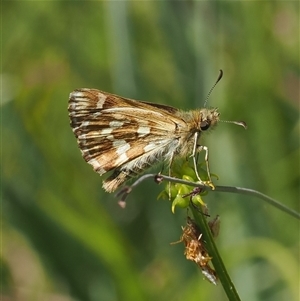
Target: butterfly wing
point(120, 134)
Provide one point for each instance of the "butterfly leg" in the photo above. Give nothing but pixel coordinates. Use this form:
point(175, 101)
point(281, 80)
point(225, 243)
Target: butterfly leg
point(170, 168)
point(197, 149)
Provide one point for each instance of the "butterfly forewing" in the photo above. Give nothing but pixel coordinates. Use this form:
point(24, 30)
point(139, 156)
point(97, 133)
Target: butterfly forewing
point(114, 131)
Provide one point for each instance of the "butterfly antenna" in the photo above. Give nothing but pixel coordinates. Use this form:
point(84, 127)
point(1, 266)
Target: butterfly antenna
point(241, 123)
point(212, 88)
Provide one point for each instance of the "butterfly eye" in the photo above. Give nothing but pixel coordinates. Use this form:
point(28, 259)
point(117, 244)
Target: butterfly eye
point(204, 125)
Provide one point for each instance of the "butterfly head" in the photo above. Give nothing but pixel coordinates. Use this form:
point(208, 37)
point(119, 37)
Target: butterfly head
point(209, 118)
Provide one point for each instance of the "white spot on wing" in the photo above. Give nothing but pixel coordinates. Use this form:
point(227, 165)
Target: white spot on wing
point(76, 94)
point(105, 132)
point(143, 130)
point(118, 143)
point(122, 159)
point(149, 147)
point(101, 101)
point(97, 167)
point(116, 124)
point(72, 105)
point(123, 149)
point(110, 137)
point(85, 123)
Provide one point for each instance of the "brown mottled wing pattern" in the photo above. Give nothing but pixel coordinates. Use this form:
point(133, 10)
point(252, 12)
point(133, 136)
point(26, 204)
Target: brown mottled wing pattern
point(124, 135)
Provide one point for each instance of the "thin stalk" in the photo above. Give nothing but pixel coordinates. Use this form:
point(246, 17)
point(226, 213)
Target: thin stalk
point(217, 261)
point(240, 190)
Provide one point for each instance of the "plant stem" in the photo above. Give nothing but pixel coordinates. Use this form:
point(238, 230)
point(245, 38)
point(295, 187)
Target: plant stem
point(217, 261)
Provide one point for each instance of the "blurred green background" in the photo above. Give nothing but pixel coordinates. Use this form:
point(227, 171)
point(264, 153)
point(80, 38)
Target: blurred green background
point(63, 237)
